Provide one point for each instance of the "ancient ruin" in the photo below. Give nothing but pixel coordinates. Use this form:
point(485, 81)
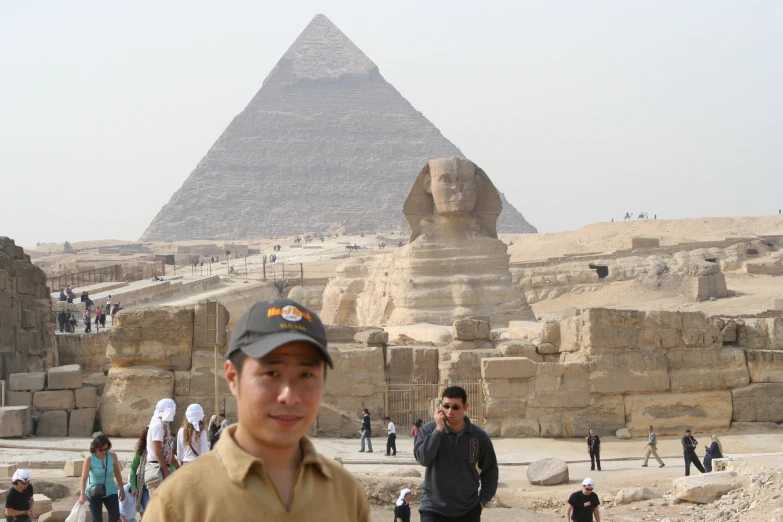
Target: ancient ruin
point(453, 267)
point(325, 130)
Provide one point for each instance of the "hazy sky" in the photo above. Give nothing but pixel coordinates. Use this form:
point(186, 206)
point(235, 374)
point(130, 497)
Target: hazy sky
point(578, 111)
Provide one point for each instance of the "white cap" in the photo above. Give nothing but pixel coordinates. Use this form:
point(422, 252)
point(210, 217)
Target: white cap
point(21, 474)
point(588, 482)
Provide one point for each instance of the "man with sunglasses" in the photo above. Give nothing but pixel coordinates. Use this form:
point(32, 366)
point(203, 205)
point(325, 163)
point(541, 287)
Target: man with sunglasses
point(583, 505)
point(19, 500)
point(451, 447)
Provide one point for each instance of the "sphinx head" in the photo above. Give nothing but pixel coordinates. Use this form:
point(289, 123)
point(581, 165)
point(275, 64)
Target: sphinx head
point(454, 185)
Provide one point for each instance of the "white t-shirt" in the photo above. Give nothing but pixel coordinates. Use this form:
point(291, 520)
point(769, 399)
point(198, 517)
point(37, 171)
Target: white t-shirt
point(128, 506)
point(392, 428)
point(155, 433)
point(186, 453)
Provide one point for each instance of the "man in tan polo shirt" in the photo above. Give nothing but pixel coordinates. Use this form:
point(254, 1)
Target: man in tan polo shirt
point(264, 468)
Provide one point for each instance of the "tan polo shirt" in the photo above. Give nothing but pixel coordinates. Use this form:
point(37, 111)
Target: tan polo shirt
point(230, 484)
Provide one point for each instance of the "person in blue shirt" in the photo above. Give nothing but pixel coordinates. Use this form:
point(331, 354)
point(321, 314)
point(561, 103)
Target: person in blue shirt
point(102, 468)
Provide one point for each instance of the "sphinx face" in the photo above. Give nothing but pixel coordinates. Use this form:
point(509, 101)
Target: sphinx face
point(454, 187)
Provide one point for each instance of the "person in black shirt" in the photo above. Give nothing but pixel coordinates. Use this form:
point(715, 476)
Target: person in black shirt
point(19, 500)
point(366, 431)
point(402, 511)
point(689, 453)
point(583, 505)
point(594, 449)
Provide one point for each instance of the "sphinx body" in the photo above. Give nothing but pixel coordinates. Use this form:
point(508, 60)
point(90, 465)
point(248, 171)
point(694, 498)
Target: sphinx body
point(453, 267)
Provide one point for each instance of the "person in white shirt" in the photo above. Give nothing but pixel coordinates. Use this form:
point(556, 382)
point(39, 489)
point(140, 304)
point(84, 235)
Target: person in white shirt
point(192, 439)
point(391, 440)
point(160, 445)
point(128, 506)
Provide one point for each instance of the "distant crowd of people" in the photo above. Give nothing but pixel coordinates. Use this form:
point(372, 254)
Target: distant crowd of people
point(67, 320)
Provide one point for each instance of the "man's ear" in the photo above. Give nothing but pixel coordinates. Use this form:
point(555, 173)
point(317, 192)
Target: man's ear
point(466, 406)
point(427, 182)
point(232, 377)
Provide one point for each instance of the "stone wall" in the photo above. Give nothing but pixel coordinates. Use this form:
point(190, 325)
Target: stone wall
point(26, 322)
point(626, 368)
point(86, 350)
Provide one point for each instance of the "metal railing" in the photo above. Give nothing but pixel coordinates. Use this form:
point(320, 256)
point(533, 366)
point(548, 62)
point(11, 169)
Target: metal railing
point(407, 401)
point(2, 400)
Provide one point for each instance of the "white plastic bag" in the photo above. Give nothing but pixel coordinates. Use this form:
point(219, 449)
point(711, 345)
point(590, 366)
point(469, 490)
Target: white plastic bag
point(78, 514)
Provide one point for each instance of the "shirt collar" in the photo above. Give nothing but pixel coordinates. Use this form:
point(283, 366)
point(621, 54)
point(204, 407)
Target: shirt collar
point(468, 427)
point(238, 463)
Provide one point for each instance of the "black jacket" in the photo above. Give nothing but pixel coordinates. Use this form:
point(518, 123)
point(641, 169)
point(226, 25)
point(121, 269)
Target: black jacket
point(451, 481)
point(366, 423)
point(688, 444)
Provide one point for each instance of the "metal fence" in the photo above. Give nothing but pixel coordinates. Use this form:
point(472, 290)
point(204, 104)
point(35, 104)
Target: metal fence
point(86, 277)
point(407, 401)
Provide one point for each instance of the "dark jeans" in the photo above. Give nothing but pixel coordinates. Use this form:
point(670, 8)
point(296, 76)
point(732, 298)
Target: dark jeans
point(690, 457)
point(474, 515)
point(112, 503)
point(595, 458)
point(391, 444)
point(708, 463)
point(19, 518)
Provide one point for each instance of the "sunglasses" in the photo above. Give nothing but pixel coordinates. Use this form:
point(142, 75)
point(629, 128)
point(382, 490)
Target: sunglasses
point(102, 450)
point(454, 407)
point(589, 488)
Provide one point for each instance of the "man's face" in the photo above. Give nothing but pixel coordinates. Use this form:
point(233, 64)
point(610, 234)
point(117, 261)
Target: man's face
point(592, 433)
point(649, 428)
point(278, 396)
point(587, 489)
point(454, 188)
point(454, 410)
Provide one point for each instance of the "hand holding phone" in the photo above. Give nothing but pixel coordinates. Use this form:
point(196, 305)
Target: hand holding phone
point(439, 418)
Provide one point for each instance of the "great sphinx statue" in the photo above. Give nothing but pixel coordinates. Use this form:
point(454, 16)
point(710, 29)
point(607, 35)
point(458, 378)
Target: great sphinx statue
point(454, 265)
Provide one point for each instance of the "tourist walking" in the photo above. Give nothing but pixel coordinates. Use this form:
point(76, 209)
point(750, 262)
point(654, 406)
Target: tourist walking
point(651, 448)
point(160, 445)
point(415, 430)
point(103, 319)
point(98, 314)
point(391, 438)
point(191, 438)
point(689, 452)
point(87, 321)
point(366, 431)
point(99, 473)
point(19, 500)
point(61, 320)
point(138, 486)
point(402, 509)
point(452, 447)
point(714, 451)
point(594, 449)
point(583, 504)
point(264, 467)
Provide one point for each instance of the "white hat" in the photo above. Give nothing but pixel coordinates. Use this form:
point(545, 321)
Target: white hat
point(588, 482)
point(195, 414)
point(21, 474)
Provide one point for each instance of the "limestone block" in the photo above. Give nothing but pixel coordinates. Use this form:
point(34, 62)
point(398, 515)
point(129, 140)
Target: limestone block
point(372, 337)
point(662, 330)
point(524, 329)
point(550, 333)
point(707, 487)
point(508, 368)
point(765, 365)
point(471, 329)
point(571, 334)
point(425, 364)
point(340, 333)
point(729, 331)
point(709, 369)
point(7, 470)
point(43, 504)
point(701, 331)
point(502, 408)
point(97, 380)
point(64, 377)
point(33, 381)
point(492, 427)
point(628, 495)
point(202, 374)
point(54, 400)
point(182, 383)
point(200, 326)
point(547, 472)
point(52, 424)
point(771, 268)
point(420, 332)
point(505, 389)
point(73, 468)
point(130, 397)
point(605, 414)
point(54, 516)
point(464, 365)
point(623, 434)
point(18, 398)
point(605, 331)
point(758, 403)
point(511, 427)
point(519, 348)
point(761, 334)
point(86, 397)
point(81, 422)
point(631, 372)
point(157, 336)
point(551, 425)
point(673, 413)
point(15, 421)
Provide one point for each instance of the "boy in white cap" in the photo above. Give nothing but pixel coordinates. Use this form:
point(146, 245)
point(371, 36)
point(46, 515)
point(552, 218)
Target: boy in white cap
point(583, 505)
point(264, 467)
point(19, 500)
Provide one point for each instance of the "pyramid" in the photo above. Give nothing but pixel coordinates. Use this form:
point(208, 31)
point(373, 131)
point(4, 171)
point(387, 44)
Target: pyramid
point(326, 144)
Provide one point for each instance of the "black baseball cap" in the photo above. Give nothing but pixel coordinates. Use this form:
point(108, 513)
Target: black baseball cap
point(270, 324)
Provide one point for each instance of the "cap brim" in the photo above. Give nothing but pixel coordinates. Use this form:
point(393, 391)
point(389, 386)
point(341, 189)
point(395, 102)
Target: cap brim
point(268, 343)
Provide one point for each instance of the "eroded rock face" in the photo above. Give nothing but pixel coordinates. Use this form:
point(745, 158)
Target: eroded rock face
point(156, 336)
point(26, 322)
point(454, 266)
point(130, 397)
